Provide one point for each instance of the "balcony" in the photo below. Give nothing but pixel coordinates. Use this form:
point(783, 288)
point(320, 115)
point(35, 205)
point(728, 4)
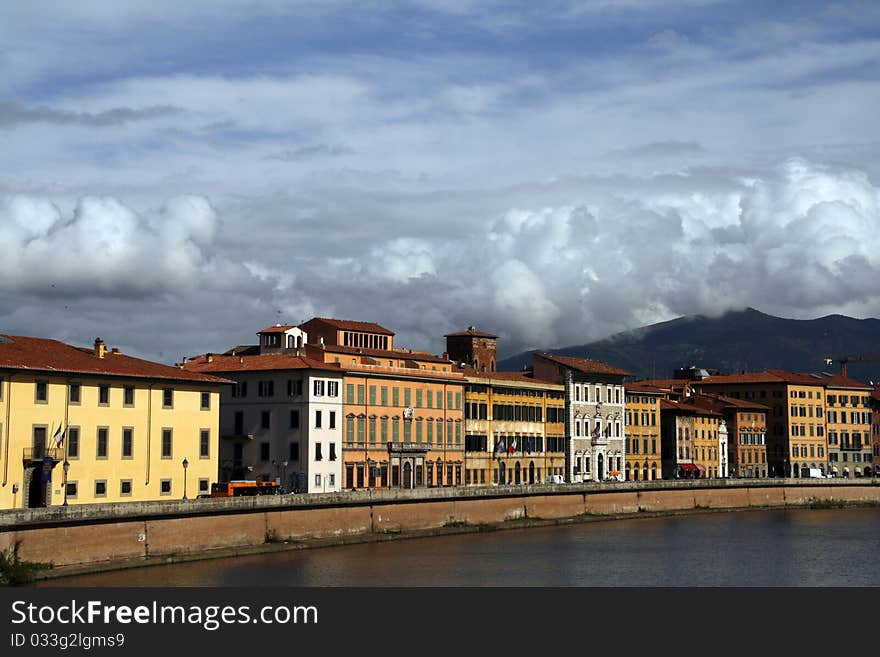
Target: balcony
point(40, 453)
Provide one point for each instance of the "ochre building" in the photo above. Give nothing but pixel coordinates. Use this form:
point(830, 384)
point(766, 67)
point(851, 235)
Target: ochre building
point(83, 425)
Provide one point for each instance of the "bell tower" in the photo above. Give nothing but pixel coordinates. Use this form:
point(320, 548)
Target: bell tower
point(474, 348)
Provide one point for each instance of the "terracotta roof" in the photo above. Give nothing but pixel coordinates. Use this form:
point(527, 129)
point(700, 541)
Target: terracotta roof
point(243, 350)
point(264, 362)
point(838, 381)
point(351, 325)
point(586, 365)
point(471, 332)
point(640, 386)
point(278, 328)
point(515, 377)
point(663, 384)
point(717, 400)
point(41, 354)
point(406, 354)
point(666, 405)
point(776, 376)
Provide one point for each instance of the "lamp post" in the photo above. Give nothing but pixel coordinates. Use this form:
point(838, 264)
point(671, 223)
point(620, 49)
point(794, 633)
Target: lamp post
point(185, 466)
point(284, 481)
point(66, 468)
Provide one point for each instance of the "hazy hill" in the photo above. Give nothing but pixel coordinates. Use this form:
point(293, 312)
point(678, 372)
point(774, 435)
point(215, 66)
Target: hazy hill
point(746, 340)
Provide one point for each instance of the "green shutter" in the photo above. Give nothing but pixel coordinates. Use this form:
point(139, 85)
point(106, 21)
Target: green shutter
point(360, 393)
point(349, 393)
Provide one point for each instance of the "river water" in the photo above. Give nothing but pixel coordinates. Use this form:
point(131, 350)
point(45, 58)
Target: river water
point(821, 547)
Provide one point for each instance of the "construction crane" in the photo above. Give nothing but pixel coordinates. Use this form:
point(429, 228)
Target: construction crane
point(851, 359)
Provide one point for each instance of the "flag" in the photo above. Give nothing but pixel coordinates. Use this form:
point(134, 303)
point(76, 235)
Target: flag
point(499, 446)
point(59, 436)
point(512, 447)
point(597, 432)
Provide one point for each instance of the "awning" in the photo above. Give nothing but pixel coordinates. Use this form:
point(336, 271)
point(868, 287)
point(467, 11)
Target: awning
point(614, 473)
point(701, 468)
point(688, 467)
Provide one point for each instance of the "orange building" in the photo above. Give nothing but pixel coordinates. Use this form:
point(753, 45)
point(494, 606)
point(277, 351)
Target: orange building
point(402, 409)
point(747, 432)
point(796, 422)
point(642, 427)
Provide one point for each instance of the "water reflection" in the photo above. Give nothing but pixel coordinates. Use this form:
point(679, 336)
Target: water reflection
point(835, 547)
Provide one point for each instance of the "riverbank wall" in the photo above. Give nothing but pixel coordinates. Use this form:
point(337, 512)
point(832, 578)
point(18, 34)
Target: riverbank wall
point(104, 536)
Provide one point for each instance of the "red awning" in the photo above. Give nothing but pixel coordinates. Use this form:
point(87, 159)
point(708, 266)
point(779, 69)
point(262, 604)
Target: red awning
point(700, 467)
point(688, 467)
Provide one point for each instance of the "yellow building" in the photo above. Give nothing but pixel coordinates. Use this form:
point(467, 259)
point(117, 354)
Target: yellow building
point(642, 427)
point(515, 428)
point(796, 419)
point(84, 425)
point(848, 425)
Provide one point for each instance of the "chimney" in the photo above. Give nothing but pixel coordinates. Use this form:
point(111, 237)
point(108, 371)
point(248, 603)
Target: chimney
point(184, 361)
point(114, 350)
point(210, 357)
point(100, 349)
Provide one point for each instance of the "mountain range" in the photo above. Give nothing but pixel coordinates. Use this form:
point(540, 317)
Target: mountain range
point(745, 340)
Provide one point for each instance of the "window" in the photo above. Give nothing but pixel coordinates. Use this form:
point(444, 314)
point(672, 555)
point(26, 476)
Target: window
point(318, 455)
point(41, 392)
point(294, 419)
point(294, 451)
point(294, 387)
point(239, 423)
point(167, 438)
point(349, 393)
point(101, 443)
point(265, 388)
point(239, 389)
point(125, 488)
point(73, 442)
point(128, 396)
point(318, 419)
point(204, 443)
point(332, 419)
point(101, 488)
point(332, 451)
point(331, 480)
point(127, 442)
point(203, 486)
point(318, 480)
point(165, 487)
point(73, 393)
point(265, 419)
point(319, 388)
point(333, 388)
point(71, 491)
point(167, 398)
point(206, 401)
point(264, 452)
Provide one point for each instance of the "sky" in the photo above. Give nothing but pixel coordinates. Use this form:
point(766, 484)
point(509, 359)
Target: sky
point(176, 176)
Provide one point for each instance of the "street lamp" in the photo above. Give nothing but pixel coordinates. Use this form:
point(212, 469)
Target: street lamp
point(185, 466)
point(284, 481)
point(66, 468)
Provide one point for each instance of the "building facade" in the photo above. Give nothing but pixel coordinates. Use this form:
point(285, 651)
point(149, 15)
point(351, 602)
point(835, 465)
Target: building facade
point(849, 422)
point(796, 439)
point(514, 429)
point(87, 425)
point(281, 420)
point(745, 422)
point(642, 432)
point(403, 409)
point(594, 415)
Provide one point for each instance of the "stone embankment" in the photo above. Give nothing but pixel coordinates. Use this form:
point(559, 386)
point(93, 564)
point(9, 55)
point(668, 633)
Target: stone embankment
point(103, 536)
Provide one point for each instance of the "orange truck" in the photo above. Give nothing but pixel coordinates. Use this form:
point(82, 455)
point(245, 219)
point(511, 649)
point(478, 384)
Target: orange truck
point(245, 487)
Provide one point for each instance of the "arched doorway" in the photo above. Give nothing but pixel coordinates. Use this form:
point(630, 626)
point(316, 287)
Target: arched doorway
point(516, 474)
point(645, 471)
point(600, 467)
point(653, 471)
point(531, 472)
point(501, 472)
point(407, 475)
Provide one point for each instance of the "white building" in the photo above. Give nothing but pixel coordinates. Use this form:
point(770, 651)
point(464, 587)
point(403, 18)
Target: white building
point(282, 420)
point(594, 415)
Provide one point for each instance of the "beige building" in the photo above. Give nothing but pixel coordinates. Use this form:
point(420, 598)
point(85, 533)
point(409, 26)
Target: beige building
point(82, 425)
